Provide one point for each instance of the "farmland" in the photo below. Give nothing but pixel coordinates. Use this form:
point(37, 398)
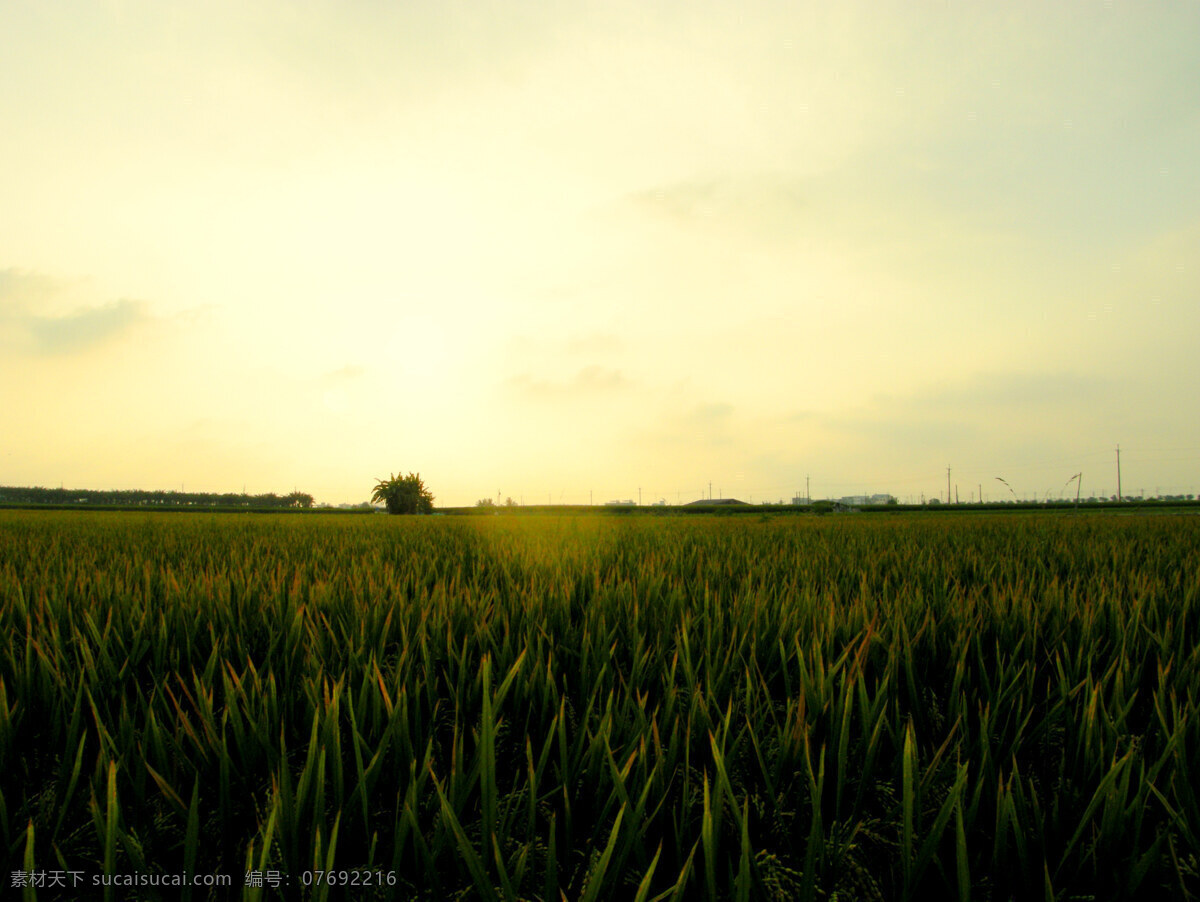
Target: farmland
point(985, 706)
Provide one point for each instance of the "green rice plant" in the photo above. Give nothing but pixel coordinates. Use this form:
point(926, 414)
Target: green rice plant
point(995, 706)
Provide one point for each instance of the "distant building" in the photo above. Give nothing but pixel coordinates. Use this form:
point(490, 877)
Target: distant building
point(861, 500)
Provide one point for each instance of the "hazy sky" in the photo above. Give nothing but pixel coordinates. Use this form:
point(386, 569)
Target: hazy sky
point(549, 249)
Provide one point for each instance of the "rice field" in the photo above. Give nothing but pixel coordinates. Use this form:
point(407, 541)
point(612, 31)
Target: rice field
point(989, 707)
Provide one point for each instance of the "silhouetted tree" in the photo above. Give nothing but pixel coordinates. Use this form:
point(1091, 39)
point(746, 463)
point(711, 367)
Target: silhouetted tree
point(404, 495)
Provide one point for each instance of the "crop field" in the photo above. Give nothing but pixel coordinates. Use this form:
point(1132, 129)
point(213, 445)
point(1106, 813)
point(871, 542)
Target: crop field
point(990, 707)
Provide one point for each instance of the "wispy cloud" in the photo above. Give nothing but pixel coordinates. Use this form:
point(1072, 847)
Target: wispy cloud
point(987, 417)
point(23, 326)
point(20, 287)
point(84, 328)
point(705, 425)
point(708, 415)
point(997, 393)
point(979, 405)
point(588, 381)
point(595, 343)
point(759, 204)
point(347, 373)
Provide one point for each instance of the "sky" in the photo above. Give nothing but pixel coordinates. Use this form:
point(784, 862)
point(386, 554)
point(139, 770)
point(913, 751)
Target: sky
point(583, 251)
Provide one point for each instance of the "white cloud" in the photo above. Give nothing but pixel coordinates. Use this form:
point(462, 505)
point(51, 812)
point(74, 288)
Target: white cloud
point(24, 327)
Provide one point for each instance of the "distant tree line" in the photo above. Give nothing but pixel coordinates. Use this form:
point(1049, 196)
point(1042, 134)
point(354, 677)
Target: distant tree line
point(140, 498)
point(489, 503)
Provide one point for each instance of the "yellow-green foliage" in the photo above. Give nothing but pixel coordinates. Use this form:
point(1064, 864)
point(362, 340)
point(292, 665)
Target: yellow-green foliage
point(995, 707)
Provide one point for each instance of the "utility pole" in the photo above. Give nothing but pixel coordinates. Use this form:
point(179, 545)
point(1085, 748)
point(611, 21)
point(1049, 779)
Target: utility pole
point(1118, 472)
point(710, 490)
point(639, 496)
point(807, 491)
point(947, 483)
